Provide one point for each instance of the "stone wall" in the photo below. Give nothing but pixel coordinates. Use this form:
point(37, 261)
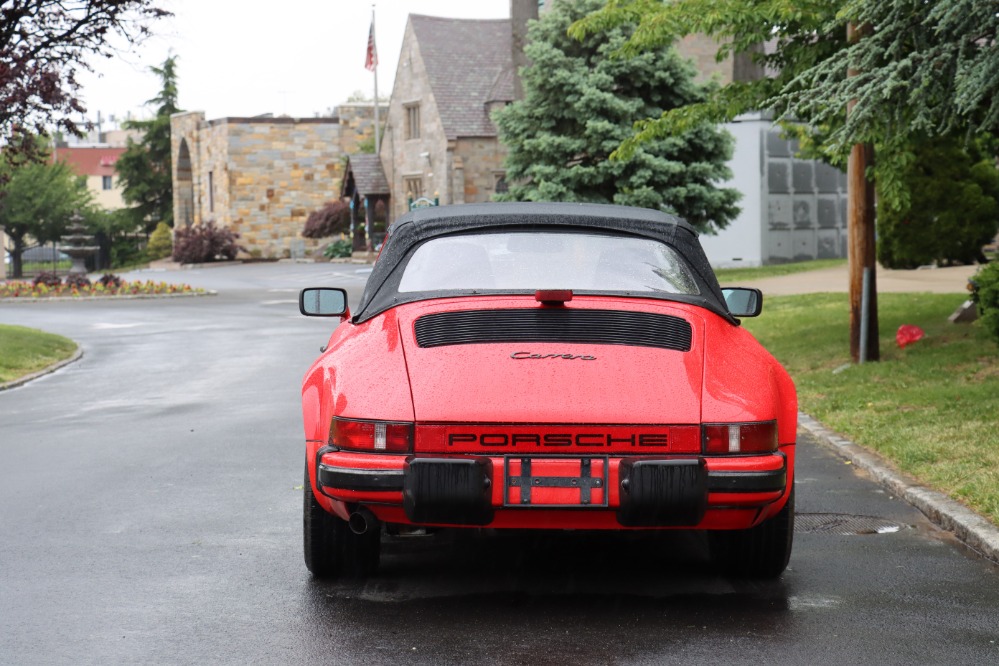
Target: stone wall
point(357, 124)
point(482, 159)
point(262, 177)
point(278, 172)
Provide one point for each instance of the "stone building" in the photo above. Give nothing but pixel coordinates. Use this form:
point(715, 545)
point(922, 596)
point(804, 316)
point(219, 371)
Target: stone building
point(262, 176)
point(439, 140)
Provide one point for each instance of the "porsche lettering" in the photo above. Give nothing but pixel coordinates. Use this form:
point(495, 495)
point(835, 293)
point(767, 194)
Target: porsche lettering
point(548, 440)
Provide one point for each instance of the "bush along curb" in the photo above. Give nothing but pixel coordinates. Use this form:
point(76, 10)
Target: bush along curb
point(975, 531)
point(20, 381)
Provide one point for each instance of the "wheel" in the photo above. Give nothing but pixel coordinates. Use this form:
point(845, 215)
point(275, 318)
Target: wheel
point(331, 549)
point(759, 552)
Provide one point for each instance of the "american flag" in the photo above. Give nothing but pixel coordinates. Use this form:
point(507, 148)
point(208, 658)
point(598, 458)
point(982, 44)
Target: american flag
point(371, 58)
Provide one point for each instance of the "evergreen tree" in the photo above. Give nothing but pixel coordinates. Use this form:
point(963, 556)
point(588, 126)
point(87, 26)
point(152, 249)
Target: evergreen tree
point(145, 168)
point(580, 103)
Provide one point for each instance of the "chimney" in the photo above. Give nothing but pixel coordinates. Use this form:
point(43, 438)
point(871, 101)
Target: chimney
point(521, 11)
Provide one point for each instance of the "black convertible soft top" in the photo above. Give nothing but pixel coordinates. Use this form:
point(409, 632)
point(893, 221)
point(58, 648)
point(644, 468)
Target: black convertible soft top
point(414, 227)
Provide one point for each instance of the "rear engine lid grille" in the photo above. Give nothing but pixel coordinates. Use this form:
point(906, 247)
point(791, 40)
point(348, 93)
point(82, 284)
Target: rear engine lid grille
point(607, 327)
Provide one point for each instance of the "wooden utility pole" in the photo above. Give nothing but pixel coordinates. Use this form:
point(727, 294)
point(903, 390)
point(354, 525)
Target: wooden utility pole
point(861, 249)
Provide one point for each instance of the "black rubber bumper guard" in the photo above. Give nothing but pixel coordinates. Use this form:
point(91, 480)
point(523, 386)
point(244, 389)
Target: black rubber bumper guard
point(657, 492)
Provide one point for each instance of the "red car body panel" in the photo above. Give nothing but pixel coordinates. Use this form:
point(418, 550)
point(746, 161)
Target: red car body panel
point(442, 387)
point(481, 383)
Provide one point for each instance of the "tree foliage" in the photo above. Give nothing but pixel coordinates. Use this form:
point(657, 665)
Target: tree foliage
point(44, 44)
point(923, 68)
point(120, 234)
point(579, 105)
point(37, 201)
point(954, 208)
point(145, 168)
point(331, 219)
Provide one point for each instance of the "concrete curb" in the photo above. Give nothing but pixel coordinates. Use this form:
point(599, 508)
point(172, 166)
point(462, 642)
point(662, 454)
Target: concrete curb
point(20, 381)
point(122, 297)
point(974, 530)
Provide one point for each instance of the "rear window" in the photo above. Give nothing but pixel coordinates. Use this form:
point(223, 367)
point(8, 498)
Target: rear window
point(530, 260)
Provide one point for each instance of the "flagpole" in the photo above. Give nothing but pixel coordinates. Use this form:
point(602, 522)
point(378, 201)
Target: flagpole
point(378, 144)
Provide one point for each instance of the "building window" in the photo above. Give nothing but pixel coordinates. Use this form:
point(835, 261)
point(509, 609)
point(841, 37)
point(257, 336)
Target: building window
point(413, 186)
point(412, 121)
point(211, 191)
point(105, 183)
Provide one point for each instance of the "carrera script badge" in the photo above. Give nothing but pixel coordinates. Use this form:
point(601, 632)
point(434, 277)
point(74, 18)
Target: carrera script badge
point(528, 356)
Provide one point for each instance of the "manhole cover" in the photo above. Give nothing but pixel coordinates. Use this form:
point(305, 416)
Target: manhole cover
point(841, 523)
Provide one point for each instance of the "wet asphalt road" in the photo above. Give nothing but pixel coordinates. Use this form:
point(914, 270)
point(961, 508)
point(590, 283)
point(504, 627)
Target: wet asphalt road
point(151, 499)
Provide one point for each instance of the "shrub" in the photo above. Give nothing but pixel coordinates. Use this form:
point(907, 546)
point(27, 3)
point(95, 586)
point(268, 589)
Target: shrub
point(77, 280)
point(204, 243)
point(340, 248)
point(161, 242)
point(954, 208)
point(111, 281)
point(47, 278)
point(329, 220)
point(986, 294)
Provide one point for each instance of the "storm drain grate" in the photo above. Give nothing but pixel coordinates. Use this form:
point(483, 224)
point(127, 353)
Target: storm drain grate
point(841, 523)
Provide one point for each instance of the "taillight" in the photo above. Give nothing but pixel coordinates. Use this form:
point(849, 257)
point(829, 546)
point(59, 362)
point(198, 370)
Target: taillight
point(740, 437)
point(375, 436)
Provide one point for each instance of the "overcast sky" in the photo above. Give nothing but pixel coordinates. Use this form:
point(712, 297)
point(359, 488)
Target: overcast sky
point(248, 57)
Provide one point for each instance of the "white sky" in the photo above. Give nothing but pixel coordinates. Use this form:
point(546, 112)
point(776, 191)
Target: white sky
point(248, 57)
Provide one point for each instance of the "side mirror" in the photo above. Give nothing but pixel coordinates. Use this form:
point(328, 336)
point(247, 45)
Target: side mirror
point(743, 302)
point(323, 302)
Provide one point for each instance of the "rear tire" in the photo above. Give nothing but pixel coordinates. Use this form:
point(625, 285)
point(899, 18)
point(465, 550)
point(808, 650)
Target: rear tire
point(331, 549)
point(758, 552)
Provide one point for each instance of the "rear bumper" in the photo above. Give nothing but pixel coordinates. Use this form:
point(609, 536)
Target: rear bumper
point(600, 492)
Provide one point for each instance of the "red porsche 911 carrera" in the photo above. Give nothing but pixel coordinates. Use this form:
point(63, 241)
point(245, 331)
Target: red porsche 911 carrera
point(545, 366)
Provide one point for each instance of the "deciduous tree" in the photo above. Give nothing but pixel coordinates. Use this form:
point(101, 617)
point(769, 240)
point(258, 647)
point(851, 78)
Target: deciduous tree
point(923, 68)
point(37, 201)
point(44, 44)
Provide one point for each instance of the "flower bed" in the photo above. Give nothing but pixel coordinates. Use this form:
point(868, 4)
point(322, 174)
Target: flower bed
point(136, 288)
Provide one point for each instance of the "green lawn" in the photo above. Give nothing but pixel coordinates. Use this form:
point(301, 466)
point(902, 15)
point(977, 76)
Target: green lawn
point(26, 350)
point(931, 408)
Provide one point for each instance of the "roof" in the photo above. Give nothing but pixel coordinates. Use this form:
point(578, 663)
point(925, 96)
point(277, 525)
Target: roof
point(369, 178)
point(416, 226)
point(89, 161)
point(469, 63)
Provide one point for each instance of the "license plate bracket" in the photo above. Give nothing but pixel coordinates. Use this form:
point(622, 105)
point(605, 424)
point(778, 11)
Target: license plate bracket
point(555, 482)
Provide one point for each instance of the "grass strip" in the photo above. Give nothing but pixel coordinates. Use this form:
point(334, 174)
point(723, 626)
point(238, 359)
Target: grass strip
point(930, 408)
point(26, 350)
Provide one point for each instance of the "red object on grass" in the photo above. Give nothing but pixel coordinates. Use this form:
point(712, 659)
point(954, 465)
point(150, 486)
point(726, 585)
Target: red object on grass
point(908, 334)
